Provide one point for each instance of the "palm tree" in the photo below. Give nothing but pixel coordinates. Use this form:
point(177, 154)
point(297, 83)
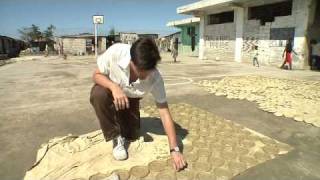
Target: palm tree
point(48, 35)
point(29, 34)
point(49, 32)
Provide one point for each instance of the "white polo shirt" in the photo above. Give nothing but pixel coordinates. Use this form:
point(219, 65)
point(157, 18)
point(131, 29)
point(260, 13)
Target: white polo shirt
point(114, 63)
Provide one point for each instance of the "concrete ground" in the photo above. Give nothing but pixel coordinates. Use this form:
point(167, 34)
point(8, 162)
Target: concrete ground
point(48, 97)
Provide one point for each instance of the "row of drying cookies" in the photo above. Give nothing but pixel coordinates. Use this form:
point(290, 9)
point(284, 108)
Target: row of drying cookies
point(295, 99)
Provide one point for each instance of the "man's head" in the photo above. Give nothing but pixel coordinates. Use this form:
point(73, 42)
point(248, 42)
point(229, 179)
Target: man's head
point(145, 56)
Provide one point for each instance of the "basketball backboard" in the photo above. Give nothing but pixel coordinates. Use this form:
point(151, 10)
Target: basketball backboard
point(97, 19)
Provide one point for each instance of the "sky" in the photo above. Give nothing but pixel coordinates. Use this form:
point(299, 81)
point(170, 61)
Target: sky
point(75, 16)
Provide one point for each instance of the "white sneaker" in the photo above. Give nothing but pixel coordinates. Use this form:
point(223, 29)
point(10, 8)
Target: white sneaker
point(119, 151)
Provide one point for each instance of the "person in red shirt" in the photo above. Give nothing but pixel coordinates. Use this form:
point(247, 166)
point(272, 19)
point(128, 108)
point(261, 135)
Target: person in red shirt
point(287, 54)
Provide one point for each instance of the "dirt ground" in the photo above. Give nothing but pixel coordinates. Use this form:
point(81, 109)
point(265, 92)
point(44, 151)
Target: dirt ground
point(48, 97)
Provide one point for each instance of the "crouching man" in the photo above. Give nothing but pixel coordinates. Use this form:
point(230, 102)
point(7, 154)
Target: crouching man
point(125, 74)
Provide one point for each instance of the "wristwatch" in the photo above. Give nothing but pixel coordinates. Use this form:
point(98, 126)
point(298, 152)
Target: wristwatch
point(175, 149)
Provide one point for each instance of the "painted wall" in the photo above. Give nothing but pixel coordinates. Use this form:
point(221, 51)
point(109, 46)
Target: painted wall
point(271, 38)
point(77, 46)
point(74, 45)
point(128, 38)
point(186, 42)
point(220, 41)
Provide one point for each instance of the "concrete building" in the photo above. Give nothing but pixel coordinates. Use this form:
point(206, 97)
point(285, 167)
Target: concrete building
point(229, 29)
point(130, 37)
point(189, 36)
point(82, 44)
point(164, 42)
point(153, 36)
point(174, 35)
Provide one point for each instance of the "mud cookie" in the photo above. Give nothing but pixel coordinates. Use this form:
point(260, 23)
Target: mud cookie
point(185, 175)
point(249, 161)
point(271, 150)
point(191, 156)
point(261, 156)
point(205, 176)
point(222, 174)
point(166, 175)
point(157, 165)
point(206, 152)
point(98, 176)
point(123, 174)
point(139, 171)
point(202, 166)
point(217, 162)
point(236, 167)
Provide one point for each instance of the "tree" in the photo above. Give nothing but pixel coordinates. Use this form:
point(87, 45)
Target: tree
point(112, 31)
point(48, 33)
point(33, 33)
point(24, 34)
point(30, 33)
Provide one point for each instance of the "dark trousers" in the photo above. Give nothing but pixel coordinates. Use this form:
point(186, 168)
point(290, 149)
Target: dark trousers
point(315, 62)
point(113, 123)
point(255, 60)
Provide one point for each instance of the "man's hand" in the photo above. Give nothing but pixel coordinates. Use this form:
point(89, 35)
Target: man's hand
point(178, 161)
point(120, 99)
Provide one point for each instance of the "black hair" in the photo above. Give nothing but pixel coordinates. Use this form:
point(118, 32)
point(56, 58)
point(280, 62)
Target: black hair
point(145, 54)
point(289, 45)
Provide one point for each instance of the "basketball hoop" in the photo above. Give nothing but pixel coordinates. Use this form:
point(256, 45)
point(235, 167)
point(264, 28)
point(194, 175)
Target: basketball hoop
point(97, 19)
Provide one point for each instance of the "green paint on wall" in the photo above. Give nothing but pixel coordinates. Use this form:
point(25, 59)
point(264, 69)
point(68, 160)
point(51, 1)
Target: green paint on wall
point(188, 32)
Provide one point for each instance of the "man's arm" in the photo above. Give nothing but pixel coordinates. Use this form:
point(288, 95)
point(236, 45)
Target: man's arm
point(102, 80)
point(168, 124)
point(120, 99)
point(169, 128)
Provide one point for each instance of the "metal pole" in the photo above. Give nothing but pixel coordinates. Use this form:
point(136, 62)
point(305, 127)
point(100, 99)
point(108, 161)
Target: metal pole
point(95, 40)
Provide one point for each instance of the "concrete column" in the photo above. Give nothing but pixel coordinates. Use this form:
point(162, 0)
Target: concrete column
point(239, 20)
point(301, 12)
point(202, 37)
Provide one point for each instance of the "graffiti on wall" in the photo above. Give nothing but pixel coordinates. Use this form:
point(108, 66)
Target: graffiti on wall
point(217, 42)
point(249, 43)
